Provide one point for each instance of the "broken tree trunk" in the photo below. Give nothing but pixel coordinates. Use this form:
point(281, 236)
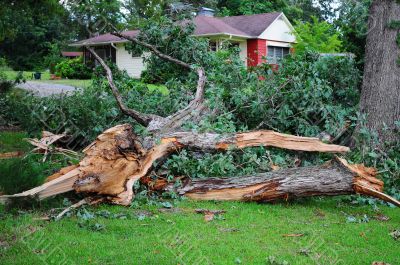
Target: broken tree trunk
point(117, 159)
point(333, 178)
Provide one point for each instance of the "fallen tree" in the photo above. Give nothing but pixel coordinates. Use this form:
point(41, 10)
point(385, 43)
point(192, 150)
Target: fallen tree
point(118, 158)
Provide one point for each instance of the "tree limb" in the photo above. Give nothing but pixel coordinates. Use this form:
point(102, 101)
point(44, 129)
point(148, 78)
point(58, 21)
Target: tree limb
point(195, 107)
point(143, 119)
point(220, 142)
point(154, 50)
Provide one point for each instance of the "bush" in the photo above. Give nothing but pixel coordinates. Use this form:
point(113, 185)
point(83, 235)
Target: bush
point(21, 174)
point(6, 84)
point(73, 69)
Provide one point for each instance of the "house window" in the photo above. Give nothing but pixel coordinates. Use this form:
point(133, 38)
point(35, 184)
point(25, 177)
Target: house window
point(213, 46)
point(275, 54)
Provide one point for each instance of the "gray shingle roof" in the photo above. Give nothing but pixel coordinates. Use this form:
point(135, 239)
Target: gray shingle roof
point(250, 26)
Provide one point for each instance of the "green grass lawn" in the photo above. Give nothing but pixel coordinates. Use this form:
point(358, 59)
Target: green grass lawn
point(46, 79)
point(248, 234)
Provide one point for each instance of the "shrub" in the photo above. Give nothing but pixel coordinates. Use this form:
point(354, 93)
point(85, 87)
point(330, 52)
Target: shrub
point(73, 69)
point(20, 174)
point(6, 84)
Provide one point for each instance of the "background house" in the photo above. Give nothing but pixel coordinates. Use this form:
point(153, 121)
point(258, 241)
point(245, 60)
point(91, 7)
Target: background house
point(258, 36)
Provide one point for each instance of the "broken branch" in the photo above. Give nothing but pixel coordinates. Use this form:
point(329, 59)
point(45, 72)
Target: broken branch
point(142, 118)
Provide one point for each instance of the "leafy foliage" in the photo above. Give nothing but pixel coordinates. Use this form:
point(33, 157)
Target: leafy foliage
point(91, 17)
point(53, 57)
point(317, 36)
point(73, 69)
point(352, 22)
point(294, 10)
point(27, 28)
point(385, 158)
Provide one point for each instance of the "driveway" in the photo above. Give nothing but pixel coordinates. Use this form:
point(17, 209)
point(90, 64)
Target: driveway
point(45, 89)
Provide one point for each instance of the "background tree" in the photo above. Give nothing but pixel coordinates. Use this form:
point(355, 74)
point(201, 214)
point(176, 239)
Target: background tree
point(27, 28)
point(294, 10)
point(380, 95)
point(317, 36)
point(352, 22)
point(92, 17)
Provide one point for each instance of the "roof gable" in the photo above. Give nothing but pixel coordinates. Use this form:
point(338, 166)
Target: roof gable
point(214, 25)
point(279, 30)
point(252, 25)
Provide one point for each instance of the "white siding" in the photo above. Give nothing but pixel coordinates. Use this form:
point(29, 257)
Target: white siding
point(124, 60)
point(280, 31)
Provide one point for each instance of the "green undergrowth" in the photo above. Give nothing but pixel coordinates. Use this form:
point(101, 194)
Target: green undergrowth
point(313, 231)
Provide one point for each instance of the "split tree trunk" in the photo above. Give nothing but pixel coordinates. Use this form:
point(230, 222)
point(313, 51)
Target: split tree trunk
point(333, 178)
point(117, 159)
point(380, 95)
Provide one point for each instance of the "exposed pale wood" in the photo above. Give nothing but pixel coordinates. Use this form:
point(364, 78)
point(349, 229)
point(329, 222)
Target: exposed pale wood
point(87, 200)
point(59, 185)
point(364, 190)
point(61, 172)
point(11, 155)
point(70, 208)
point(213, 141)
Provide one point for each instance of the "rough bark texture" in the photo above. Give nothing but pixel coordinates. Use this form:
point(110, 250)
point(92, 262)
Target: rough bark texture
point(380, 96)
point(334, 178)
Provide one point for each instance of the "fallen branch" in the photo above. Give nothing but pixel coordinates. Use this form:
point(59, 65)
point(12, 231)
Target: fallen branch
point(88, 200)
point(116, 160)
point(44, 145)
point(334, 178)
point(141, 118)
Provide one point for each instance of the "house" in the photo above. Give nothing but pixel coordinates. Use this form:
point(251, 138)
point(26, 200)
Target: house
point(259, 37)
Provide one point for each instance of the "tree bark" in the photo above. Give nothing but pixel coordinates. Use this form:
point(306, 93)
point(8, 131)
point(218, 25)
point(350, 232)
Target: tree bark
point(333, 178)
point(380, 95)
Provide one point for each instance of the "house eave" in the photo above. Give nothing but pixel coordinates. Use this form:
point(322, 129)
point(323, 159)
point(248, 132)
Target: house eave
point(96, 43)
point(224, 34)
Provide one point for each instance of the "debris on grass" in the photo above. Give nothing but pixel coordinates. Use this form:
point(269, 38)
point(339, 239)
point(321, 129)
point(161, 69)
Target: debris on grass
point(319, 213)
point(271, 260)
point(11, 155)
point(381, 217)
point(353, 219)
point(293, 235)
point(228, 230)
point(170, 210)
point(210, 215)
point(395, 234)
